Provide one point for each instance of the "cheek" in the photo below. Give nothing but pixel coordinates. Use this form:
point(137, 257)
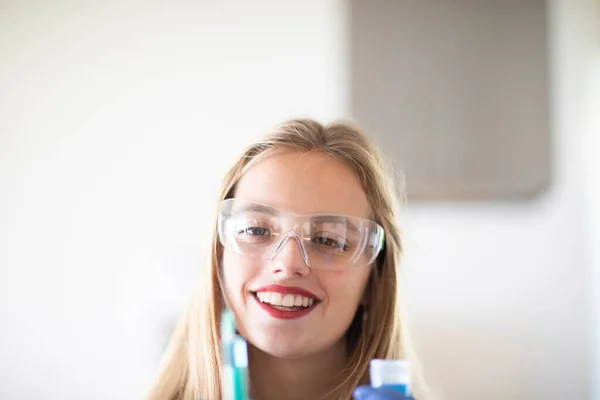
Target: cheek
point(345, 287)
point(237, 272)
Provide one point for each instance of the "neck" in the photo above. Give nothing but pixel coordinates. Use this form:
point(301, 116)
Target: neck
point(306, 378)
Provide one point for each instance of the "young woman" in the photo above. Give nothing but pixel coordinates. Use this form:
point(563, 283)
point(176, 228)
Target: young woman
point(306, 254)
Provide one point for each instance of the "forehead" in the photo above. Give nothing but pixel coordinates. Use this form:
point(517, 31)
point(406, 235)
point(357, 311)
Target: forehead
point(304, 183)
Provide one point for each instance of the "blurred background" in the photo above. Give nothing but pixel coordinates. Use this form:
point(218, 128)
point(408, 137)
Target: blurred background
point(117, 121)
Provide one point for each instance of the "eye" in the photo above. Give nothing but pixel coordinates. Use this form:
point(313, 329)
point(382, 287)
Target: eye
point(330, 242)
point(254, 231)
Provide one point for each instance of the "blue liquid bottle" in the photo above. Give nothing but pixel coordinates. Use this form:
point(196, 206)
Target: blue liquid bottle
point(393, 374)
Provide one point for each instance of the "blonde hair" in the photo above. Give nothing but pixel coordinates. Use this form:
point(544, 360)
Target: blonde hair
point(191, 365)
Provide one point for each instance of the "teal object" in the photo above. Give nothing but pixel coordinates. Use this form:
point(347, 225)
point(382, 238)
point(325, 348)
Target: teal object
point(234, 351)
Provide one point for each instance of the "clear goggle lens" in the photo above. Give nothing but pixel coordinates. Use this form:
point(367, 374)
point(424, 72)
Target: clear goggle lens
point(326, 241)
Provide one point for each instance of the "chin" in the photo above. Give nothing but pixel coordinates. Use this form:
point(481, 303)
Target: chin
point(289, 349)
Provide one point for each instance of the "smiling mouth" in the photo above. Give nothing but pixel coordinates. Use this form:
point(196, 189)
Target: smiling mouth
point(285, 302)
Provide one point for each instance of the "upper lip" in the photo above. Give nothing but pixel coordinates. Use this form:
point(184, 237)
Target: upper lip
point(287, 289)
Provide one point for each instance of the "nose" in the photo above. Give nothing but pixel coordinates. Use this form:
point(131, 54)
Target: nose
point(289, 257)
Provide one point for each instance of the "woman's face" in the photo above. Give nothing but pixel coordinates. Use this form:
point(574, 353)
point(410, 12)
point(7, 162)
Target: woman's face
point(300, 183)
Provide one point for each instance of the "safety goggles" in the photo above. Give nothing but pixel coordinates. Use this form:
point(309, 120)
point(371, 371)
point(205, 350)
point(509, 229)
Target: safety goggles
point(326, 241)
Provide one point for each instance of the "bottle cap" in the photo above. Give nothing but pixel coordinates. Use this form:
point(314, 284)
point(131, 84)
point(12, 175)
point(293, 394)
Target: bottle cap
point(393, 373)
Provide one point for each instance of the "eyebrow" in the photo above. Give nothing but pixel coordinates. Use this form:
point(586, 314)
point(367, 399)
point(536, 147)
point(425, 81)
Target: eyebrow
point(253, 207)
point(260, 208)
point(336, 219)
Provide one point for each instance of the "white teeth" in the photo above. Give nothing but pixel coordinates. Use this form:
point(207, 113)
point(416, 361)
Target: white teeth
point(266, 297)
point(284, 300)
point(288, 300)
point(276, 299)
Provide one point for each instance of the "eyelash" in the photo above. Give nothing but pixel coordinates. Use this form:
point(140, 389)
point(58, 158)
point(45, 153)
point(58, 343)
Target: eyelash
point(250, 228)
point(336, 243)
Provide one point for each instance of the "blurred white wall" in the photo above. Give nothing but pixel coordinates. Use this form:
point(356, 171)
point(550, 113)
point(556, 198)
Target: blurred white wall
point(116, 122)
point(503, 293)
point(590, 151)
